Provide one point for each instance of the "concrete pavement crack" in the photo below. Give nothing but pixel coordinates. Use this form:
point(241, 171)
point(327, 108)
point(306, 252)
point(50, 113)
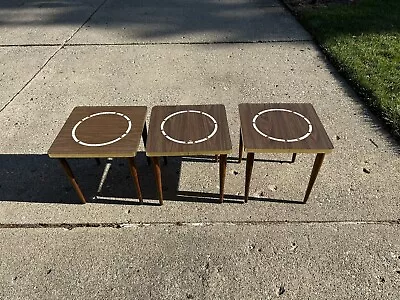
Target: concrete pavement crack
point(50, 58)
point(190, 43)
point(155, 43)
point(194, 224)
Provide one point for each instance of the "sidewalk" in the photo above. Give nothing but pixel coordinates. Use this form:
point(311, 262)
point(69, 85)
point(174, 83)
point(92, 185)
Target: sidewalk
point(343, 244)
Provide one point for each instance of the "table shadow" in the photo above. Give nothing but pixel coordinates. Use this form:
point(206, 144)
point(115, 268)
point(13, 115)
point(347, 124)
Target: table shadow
point(233, 159)
point(40, 179)
point(190, 196)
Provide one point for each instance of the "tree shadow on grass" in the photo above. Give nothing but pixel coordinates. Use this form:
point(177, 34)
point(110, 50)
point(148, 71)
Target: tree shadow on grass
point(368, 16)
point(361, 42)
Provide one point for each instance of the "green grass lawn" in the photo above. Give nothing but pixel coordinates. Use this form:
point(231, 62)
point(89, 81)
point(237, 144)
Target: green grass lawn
point(363, 41)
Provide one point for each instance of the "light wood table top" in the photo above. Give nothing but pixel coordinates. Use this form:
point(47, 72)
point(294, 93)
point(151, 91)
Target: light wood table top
point(100, 131)
point(282, 127)
point(188, 130)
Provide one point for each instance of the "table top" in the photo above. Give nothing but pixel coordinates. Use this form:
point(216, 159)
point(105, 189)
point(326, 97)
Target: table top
point(100, 131)
point(188, 130)
point(282, 127)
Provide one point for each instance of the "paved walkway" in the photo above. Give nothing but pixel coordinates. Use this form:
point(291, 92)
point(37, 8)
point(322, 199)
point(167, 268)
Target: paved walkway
point(343, 244)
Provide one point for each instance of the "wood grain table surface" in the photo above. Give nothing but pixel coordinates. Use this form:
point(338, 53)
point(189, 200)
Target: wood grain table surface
point(188, 130)
point(100, 131)
point(282, 127)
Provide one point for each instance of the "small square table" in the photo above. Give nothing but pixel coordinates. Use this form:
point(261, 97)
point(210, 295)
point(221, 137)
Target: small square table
point(282, 128)
point(98, 132)
point(189, 130)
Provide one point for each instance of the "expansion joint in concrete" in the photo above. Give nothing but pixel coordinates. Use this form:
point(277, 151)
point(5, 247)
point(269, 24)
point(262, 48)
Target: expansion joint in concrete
point(65, 45)
point(71, 226)
point(190, 43)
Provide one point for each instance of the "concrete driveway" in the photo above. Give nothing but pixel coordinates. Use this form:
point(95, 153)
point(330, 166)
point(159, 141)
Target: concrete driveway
point(54, 55)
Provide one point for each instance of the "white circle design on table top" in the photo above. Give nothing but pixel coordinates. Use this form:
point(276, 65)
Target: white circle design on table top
point(105, 143)
point(189, 142)
point(278, 139)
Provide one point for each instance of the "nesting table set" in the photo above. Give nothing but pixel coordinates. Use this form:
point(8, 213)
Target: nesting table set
point(190, 130)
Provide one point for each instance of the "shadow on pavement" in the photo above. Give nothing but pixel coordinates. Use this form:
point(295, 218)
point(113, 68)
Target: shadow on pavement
point(244, 20)
point(40, 179)
point(189, 196)
point(232, 159)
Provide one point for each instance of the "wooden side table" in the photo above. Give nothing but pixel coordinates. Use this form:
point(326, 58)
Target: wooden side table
point(98, 132)
point(188, 130)
point(282, 128)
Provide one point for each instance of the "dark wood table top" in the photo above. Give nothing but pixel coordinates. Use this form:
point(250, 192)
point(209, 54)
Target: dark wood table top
point(188, 130)
point(282, 127)
point(100, 131)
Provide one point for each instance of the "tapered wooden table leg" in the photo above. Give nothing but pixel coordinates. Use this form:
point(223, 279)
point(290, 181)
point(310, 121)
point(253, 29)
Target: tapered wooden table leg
point(222, 175)
point(71, 177)
point(144, 134)
point(144, 137)
point(189, 130)
point(132, 167)
point(157, 174)
point(249, 169)
point(317, 165)
point(282, 128)
point(240, 146)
